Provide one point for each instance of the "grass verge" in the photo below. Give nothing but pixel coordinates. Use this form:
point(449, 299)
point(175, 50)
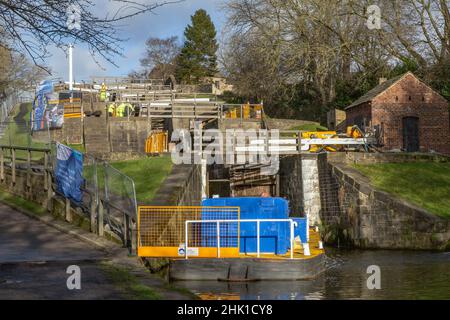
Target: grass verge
point(309, 127)
point(425, 184)
point(148, 174)
point(129, 284)
point(18, 202)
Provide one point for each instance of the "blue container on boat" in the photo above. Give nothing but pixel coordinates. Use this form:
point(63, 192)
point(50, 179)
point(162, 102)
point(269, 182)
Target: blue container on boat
point(300, 229)
point(228, 231)
point(274, 236)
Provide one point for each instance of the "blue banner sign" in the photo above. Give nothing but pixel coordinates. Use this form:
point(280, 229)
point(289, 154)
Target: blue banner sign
point(69, 172)
point(47, 110)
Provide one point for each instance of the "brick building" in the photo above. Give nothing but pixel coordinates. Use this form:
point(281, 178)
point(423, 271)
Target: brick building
point(407, 115)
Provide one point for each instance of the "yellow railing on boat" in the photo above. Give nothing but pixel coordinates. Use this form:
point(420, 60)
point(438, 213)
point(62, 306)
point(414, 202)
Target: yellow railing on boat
point(162, 230)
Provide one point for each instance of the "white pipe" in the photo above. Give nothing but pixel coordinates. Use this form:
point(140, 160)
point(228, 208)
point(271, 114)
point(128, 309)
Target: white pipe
point(236, 220)
point(218, 239)
point(292, 223)
point(70, 67)
point(186, 240)
point(204, 173)
point(292, 239)
point(258, 238)
point(307, 227)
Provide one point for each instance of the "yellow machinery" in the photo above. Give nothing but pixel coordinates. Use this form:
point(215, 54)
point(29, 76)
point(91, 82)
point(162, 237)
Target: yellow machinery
point(156, 142)
point(247, 111)
point(320, 135)
point(331, 141)
point(354, 132)
point(232, 114)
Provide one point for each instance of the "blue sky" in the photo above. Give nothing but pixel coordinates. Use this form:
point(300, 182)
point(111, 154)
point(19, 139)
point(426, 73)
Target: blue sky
point(164, 22)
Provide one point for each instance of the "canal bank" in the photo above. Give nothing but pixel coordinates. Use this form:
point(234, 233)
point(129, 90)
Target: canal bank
point(351, 210)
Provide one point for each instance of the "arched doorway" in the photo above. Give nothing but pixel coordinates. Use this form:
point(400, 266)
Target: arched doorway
point(411, 134)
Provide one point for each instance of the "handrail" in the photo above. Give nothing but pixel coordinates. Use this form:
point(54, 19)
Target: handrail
point(47, 166)
point(292, 224)
point(25, 148)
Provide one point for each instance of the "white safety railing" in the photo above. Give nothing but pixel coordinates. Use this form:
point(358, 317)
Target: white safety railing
point(258, 222)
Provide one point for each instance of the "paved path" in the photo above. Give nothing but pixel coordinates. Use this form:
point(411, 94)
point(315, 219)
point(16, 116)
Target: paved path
point(34, 258)
point(23, 239)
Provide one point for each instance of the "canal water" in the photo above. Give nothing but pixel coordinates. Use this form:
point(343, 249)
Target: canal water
point(404, 275)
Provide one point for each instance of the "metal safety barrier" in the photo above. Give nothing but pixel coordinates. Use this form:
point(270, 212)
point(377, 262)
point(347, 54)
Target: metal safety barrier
point(157, 142)
point(218, 223)
point(161, 230)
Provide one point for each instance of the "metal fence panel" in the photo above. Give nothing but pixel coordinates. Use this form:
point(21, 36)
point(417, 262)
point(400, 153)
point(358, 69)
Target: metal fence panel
point(120, 191)
point(162, 231)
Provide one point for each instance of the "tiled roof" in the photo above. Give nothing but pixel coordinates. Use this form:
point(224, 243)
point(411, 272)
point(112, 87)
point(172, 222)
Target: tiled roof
point(369, 96)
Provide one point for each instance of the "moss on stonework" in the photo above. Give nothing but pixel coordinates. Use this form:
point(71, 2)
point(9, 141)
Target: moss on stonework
point(336, 235)
point(18, 202)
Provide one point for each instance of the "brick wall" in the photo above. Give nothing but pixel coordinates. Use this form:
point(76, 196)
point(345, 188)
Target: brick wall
point(412, 98)
point(409, 97)
point(359, 115)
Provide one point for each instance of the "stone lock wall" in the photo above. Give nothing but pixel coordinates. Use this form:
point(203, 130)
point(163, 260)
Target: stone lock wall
point(116, 139)
point(299, 184)
point(71, 133)
point(183, 187)
point(128, 136)
point(349, 211)
point(356, 214)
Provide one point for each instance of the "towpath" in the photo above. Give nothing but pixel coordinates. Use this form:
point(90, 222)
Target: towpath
point(34, 258)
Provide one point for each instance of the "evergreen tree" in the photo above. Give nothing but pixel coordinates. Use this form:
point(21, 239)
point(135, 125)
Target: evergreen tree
point(198, 56)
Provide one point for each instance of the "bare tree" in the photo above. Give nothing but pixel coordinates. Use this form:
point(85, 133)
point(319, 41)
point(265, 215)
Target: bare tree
point(30, 26)
point(413, 29)
point(308, 41)
point(16, 72)
point(275, 45)
point(160, 55)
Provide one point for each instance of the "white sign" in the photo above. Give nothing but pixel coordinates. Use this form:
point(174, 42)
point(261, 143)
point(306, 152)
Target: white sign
point(191, 252)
